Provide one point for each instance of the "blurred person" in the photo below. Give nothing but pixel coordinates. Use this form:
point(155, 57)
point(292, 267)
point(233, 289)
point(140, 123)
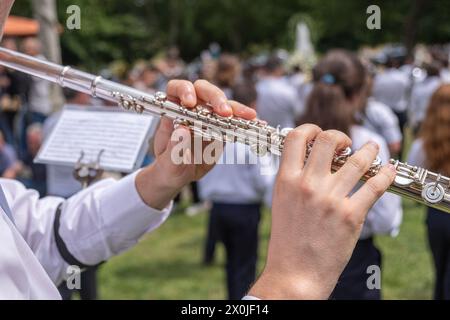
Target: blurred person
point(39, 104)
point(38, 178)
point(12, 87)
point(391, 87)
point(147, 79)
point(10, 166)
point(339, 80)
point(432, 150)
point(245, 93)
point(171, 66)
point(445, 72)
point(422, 92)
point(236, 207)
point(277, 101)
point(227, 73)
point(379, 118)
point(208, 68)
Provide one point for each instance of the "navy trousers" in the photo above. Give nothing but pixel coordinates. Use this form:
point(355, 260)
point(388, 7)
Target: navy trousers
point(438, 225)
point(236, 226)
point(352, 284)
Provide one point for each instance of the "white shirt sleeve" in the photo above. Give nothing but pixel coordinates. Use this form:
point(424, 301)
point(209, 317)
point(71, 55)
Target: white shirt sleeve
point(96, 223)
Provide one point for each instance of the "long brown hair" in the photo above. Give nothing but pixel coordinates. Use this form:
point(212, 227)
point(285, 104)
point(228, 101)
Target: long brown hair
point(435, 131)
point(338, 78)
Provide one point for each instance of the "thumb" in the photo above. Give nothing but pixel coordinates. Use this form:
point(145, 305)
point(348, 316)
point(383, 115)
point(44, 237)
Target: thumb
point(163, 135)
point(177, 152)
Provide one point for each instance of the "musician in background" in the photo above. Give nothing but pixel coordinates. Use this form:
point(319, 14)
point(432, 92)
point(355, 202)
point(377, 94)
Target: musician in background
point(432, 150)
point(421, 94)
point(391, 87)
point(227, 74)
point(39, 104)
point(379, 118)
point(34, 175)
point(277, 103)
point(10, 166)
point(332, 104)
point(236, 205)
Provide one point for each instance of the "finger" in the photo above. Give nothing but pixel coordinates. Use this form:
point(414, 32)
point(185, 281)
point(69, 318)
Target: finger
point(213, 96)
point(294, 150)
point(242, 111)
point(372, 190)
point(323, 151)
point(355, 167)
point(182, 91)
point(163, 135)
point(178, 152)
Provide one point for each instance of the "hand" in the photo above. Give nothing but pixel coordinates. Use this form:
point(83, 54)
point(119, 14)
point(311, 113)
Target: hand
point(162, 180)
point(315, 224)
point(5, 7)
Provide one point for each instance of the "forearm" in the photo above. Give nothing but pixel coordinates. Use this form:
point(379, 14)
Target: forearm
point(153, 187)
point(5, 7)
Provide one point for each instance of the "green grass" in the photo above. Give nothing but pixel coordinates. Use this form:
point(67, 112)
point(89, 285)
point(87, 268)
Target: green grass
point(167, 263)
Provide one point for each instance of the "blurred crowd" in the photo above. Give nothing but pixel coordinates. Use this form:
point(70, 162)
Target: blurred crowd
point(371, 95)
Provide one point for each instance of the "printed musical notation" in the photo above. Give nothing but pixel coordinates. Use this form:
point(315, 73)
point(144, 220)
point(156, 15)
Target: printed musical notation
point(121, 135)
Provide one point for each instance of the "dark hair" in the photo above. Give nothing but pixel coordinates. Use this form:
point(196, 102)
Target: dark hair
point(245, 93)
point(338, 78)
point(433, 68)
point(273, 63)
point(435, 131)
point(227, 72)
point(69, 94)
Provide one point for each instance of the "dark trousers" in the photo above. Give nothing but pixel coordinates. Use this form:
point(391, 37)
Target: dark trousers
point(438, 225)
point(352, 284)
point(402, 121)
point(236, 225)
point(211, 240)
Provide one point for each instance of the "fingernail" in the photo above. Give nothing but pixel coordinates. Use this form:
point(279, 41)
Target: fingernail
point(189, 97)
point(225, 108)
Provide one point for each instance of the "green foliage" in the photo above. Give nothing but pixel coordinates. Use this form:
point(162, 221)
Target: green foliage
point(127, 30)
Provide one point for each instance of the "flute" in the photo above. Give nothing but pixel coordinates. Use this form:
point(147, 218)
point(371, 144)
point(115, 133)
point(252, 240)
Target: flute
point(411, 182)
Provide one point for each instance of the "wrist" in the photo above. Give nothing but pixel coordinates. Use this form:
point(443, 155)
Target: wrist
point(273, 286)
point(154, 188)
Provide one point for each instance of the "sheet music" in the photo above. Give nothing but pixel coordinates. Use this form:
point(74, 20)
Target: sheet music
point(123, 136)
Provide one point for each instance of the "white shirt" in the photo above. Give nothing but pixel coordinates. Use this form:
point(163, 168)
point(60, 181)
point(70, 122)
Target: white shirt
point(277, 103)
point(386, 214)
point(244, 183)
point(96, 224)
point(390, 87)
point(416, 156)
point(420, 98)
point(381, 119)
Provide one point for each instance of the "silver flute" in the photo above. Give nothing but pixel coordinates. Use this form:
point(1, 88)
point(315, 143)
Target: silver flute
point(411, 182)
